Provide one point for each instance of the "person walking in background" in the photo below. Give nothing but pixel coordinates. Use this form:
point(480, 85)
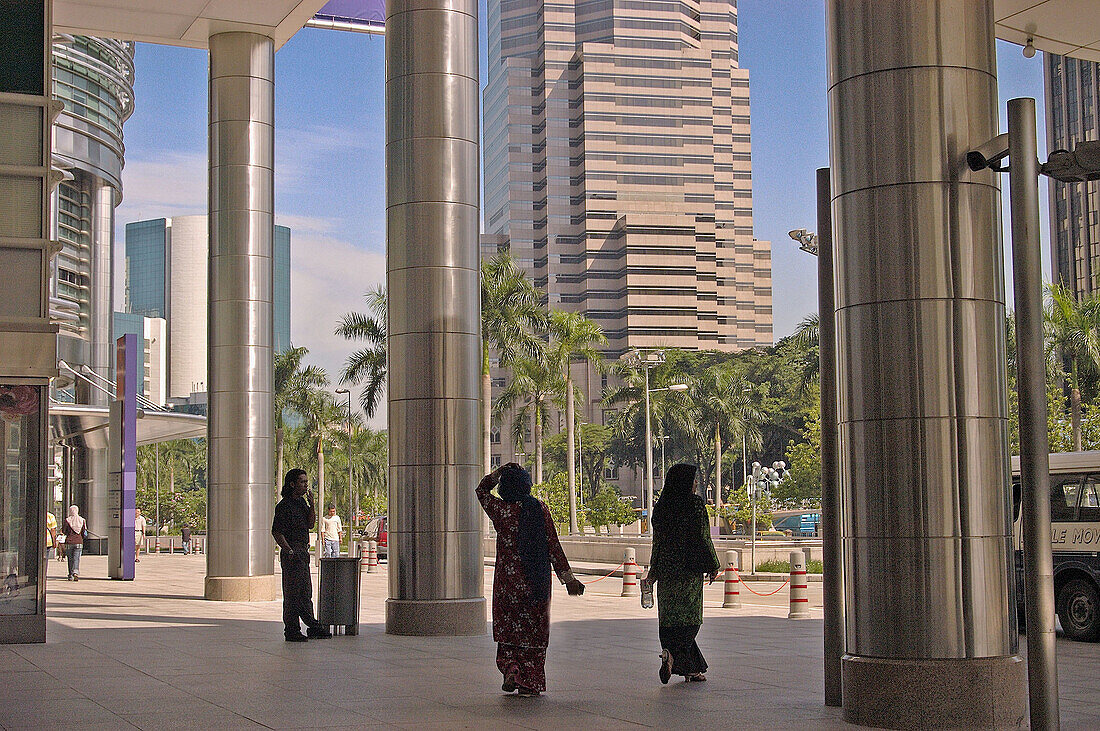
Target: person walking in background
point(290, 528)
point(333, 532)
point(682, 553)
point(51, 533)
point(185, 537)
point(75, 529)
point(140, 524)
point(527, 544)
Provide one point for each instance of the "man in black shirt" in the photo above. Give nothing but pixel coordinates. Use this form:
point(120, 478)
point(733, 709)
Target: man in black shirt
point(293, 517)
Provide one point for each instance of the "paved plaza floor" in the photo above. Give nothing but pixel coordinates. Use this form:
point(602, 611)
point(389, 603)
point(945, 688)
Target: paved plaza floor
point(153, 654)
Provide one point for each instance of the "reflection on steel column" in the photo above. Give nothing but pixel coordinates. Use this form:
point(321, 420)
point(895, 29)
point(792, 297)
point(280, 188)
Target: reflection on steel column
point(435, 573)
point(831, 504)
point(240, 433)
point(921, 367)
point(1027, 274)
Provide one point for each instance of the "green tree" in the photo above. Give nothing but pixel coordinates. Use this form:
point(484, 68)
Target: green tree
point(292, 380)
point(536, 385)
point(552, 492)
point(802, 487)
point(722, 402)
point(323, 420)
point(511, 318)
point(607, 507)
point(594, 441)
point(367, 365)
point(1073, 335)
point(572, 337)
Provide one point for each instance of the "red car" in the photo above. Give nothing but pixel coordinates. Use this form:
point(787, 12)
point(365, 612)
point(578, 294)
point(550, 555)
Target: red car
point(375, 530)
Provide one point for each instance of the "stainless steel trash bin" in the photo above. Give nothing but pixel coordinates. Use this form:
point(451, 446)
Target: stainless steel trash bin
point(339, 594)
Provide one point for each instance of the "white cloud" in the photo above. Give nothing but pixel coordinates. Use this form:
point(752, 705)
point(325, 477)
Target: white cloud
point(171, 184)
point(328, 279)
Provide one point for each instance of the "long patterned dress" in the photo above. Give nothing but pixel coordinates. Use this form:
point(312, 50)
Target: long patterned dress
point(521, 627)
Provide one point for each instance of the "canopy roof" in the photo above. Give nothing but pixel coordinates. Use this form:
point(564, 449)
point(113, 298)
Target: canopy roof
point(1064, 27)
point(182, 22)
point(87, 425)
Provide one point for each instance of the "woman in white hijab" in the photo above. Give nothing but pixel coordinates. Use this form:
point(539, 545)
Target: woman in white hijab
point(75, 529)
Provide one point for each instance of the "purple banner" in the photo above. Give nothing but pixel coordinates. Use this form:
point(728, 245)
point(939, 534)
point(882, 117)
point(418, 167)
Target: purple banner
point(364, 14)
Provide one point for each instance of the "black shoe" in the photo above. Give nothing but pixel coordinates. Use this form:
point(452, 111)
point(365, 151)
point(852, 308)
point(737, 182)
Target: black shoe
point(318, 633)
point(297, 638)
point(666, 666)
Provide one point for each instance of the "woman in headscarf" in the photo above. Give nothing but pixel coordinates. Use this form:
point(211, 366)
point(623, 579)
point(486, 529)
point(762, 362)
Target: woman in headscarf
point(527, 544)
point(75, 528)
point(682, 554)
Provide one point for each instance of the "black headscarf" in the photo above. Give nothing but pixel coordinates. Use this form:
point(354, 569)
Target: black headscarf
point(680, 524)
point(677, 508)
point(534, 548)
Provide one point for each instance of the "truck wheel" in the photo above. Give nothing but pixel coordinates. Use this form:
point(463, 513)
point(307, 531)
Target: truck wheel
point(1079, 610)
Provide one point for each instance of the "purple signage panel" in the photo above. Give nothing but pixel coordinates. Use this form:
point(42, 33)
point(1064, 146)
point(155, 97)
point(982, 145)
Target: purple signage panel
point(355, 13)
point(126, 368)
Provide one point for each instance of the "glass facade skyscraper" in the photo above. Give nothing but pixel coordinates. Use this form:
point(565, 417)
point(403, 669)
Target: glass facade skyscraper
point(1072, 88)
point(166, 276)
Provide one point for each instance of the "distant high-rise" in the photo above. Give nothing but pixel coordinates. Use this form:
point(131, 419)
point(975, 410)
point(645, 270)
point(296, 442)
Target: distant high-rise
point(152, 333)
point(618, 168)
point(166, 276)
point(1072, 89)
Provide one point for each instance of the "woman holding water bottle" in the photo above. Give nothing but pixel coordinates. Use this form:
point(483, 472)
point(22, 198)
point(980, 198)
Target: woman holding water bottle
point(682, 555)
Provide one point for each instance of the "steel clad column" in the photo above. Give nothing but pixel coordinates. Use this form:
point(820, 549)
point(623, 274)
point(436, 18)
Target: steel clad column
point(433, 270)
point(240, 437)
point(922, 409)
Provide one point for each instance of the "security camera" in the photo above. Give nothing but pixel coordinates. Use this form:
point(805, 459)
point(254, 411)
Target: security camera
point(989, 155)
point(1081, 165)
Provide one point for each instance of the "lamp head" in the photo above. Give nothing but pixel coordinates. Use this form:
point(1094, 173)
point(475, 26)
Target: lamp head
point(678, 387)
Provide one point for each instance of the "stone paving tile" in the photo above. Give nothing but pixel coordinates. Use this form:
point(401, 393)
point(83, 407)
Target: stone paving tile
point(152, 654)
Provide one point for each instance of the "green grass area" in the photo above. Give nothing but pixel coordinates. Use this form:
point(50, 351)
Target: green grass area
point(775, 566)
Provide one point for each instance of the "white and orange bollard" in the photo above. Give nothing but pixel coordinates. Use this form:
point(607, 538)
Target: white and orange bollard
point(372, 556)
point(800, 599)
point(732, 597)
point(364, 555)
point(630, 574)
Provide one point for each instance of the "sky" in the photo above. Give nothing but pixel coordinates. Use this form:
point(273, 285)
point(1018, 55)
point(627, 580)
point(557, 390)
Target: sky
point(329, 156)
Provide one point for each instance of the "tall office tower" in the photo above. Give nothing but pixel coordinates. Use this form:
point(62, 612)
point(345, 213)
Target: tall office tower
point(1072, 88)
point(93, 78)
point(166, 276)
point(152, 333)
point(618, 169)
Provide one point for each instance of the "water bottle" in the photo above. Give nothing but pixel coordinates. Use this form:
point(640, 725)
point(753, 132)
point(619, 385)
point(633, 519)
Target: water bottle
point(647, 595)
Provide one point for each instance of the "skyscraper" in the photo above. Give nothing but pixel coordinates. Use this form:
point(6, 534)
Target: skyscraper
point(93, 78)
point(618, 168)
point(1072, 88)
point(166, 276)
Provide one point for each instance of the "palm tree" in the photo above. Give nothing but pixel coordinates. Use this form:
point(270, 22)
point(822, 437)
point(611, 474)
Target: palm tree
point(723, 403)
point(806, 340)
point(535, 385)
point(511, 318)
point(572, 336)
point(367, 364)
point(1073, 335)
point(291, 383)
point(323, 417)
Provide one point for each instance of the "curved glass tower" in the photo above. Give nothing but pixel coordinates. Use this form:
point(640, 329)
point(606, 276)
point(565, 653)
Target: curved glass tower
point(94, 78)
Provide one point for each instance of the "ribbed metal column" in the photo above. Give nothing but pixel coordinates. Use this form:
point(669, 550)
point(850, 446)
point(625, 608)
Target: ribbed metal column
point(240, 556)
point(434, 318)
point(930, 614)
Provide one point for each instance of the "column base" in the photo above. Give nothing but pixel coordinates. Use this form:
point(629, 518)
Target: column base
point(435, 617)
point(240, 588)
point(987, 692)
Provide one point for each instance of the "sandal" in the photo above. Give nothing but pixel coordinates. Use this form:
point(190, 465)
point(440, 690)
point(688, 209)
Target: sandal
point(528, 692)
point(666, 667)
point(509, 685)
point(695, 678)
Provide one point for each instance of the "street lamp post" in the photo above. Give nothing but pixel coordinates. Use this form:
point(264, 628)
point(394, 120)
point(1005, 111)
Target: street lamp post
point(763, 478)
point(351, 492)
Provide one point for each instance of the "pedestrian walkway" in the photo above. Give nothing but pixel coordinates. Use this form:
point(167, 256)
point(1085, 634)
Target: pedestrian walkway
point(153, 654)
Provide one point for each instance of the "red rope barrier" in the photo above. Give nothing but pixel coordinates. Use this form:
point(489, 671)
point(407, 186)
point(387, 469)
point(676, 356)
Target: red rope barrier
point(756, 592)
point(586, 583)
